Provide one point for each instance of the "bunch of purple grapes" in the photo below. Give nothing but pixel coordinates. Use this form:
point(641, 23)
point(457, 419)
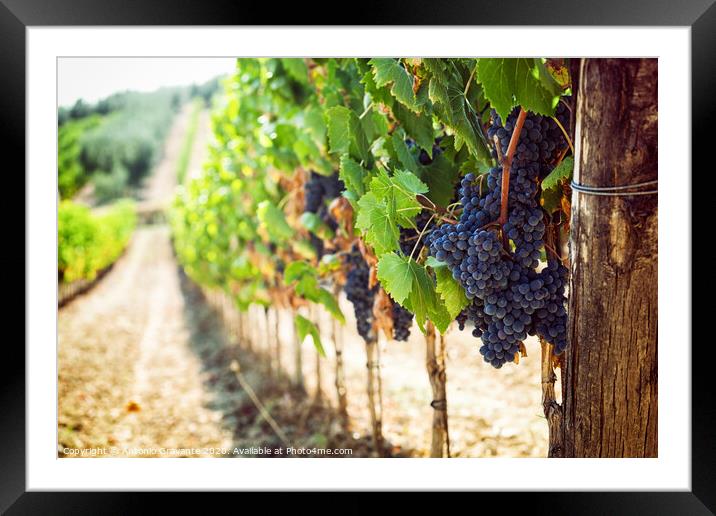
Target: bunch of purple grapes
point(510, 299)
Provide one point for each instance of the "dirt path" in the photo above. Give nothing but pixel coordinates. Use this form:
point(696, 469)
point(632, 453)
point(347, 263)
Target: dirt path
point(200, 149)
point(159, 187)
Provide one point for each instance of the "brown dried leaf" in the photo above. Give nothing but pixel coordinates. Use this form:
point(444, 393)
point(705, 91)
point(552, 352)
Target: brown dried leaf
point(523, 349)
point(383, 313)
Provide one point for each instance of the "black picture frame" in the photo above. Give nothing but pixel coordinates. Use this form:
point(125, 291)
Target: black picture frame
point(17, 15)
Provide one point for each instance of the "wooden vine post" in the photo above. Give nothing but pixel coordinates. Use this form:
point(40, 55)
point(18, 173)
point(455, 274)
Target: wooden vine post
point(435, 364)
point(277, 336)
point(341, 391)
point(609, 375)
point(375, 388)
point(297, 354)
point(316, 317)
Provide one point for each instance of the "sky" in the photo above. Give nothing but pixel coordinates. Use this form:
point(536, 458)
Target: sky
point(94, 78)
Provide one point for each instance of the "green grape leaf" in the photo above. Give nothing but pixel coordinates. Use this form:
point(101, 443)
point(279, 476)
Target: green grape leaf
point(389, 70)
point(331, 304)
point(315, 124)
point(339, 129)
point(304, 328)
point(395, 276)
point(304, 248)
point(453, 110)
point(440, 177)
point(352, 175)
point(440, 316)
point(422, 298)
point(296, 68)
point(551, 200)
point(273, 221)
point(377, 221)
point(405, 187)
point(296, 270)
point(315, 225)
point(508, 82)
point(382, 186)
point(417, 126)
point(450, 291)
point(434, 263)
point(397, 140)
point(560, 172)
point(346, 135)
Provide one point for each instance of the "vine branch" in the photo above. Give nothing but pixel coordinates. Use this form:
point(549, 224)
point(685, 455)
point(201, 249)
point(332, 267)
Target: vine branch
point(511, 148)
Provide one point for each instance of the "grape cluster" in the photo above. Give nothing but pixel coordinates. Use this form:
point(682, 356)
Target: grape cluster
point(509, 298)
point(359, 293)
point(317, 190)
point(402, 321)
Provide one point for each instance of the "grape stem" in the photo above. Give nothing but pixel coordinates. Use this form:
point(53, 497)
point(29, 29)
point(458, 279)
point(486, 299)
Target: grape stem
point(511, 148)
point(365, 112)
point(420, 236)
point(564, 132)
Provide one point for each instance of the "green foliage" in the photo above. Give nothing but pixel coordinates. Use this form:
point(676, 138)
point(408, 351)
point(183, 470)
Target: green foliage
point(399, 131)
point(560, 172)
point(509, 82)
point(304, 327)
point(70, 174)
point(87, 242)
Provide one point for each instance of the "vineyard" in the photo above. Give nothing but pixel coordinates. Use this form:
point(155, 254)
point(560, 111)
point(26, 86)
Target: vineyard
point(475, 214)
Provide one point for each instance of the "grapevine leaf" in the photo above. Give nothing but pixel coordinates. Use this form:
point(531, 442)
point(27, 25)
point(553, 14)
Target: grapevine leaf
point(440, 177)
point(561, 171)
point(421, 300)
point(451, 292)
point(296, 270)
point(434, 263)
point(315, 225)
point(273, 221)
point(536, 91)
point(389, 70)
point(304, 249)
point(377, 221)
point(331, 304)
point(395, 276)
point(352, 175)
point(403, 153)
point(419, 127)
point(405, 188)
point(453, 110)
point(304, 327)
point(315, 125)
point(440, 316)
point(382, 186)
point(296, 68)
point(339, 131)
point(551, 200)
point(497, 78)
point(508, 82)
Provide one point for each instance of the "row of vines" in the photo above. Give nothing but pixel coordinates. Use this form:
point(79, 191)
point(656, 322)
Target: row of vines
point(433, 190)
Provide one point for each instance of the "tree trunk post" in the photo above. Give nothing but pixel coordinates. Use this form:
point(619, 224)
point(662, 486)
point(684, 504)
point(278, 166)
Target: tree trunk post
point(610, 368)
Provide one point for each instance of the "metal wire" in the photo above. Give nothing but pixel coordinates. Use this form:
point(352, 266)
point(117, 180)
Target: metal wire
point(614, 191)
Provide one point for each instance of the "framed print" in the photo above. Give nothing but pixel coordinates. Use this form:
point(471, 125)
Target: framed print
point(437, 257)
